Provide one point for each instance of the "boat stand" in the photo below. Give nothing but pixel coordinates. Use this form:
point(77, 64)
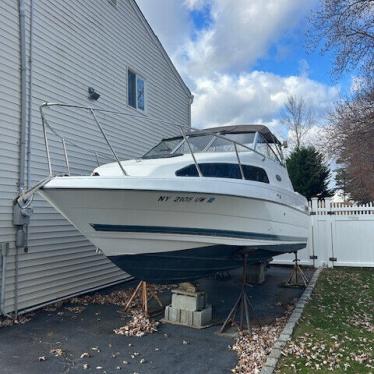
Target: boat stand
point(241, 306)
point(143, 291)
point(297, 277)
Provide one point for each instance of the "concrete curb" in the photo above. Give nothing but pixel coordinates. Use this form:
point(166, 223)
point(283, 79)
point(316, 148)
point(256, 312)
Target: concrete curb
point(287, 331)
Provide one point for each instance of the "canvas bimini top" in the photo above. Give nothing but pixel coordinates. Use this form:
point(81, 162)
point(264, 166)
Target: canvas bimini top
point(239, 129)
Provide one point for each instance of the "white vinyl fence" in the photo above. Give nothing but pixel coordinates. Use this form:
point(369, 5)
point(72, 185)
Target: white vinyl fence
point(340, 234)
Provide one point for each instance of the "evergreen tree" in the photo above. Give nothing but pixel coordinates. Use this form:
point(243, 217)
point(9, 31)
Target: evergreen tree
point(308, 172)
point(341, 180)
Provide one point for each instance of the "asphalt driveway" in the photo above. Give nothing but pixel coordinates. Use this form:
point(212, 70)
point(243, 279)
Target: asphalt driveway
point(173, 349)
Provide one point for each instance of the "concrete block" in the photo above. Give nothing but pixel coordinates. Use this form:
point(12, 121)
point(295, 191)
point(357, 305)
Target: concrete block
point(191, 302)
point(172, 314)
point(287, 331)
point(197, 319)
point(284, 338)
point(186, 317)
point(272, 362)
point(275, 353)
point(203, 317)
point(293, 320)
point(267, 370)
point(279, 345)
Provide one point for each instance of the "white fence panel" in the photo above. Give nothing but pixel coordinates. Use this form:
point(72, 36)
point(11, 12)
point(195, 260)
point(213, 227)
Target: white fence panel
point(304, 255)
point(340, 234)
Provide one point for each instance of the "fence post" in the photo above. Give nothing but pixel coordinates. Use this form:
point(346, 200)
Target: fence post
point(329, 212)
point(313, 222)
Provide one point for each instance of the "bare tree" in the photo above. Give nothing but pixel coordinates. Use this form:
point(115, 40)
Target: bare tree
point(351, 140)
point(298, 117)
point(346, 27)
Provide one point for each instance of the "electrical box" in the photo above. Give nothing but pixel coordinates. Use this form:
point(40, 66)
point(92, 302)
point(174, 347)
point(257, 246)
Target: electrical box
point(21, 216)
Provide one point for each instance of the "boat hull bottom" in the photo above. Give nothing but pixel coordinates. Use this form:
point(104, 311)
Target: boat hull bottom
point(192, 264)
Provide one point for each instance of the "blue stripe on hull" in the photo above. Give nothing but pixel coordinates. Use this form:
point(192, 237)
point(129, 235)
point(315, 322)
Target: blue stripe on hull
point(192, 264)
point(194, 231)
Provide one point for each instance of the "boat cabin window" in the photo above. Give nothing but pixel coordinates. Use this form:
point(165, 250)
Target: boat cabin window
point(224, 170)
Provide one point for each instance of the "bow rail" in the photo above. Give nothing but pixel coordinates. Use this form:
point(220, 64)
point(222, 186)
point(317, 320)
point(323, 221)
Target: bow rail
point(185, 133)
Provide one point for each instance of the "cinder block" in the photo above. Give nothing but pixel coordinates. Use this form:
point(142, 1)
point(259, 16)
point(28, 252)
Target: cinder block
point(191, 302)
point(172, 314)
point(197, 319)
point(203, 317)
point(186, 317)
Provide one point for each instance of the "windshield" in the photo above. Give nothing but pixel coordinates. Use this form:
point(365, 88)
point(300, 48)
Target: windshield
point(163, 149)
point(202, 143)
point(270, 150)
point(197, 143)
point(223, 145)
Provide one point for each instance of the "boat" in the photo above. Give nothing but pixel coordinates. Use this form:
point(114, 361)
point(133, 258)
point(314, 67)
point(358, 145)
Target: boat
point(190, 207)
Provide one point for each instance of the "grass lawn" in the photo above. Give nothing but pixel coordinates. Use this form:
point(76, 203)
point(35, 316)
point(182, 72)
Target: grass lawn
point(336, 331)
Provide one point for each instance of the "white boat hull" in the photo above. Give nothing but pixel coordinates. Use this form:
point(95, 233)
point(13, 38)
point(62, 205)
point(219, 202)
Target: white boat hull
point(151, 228)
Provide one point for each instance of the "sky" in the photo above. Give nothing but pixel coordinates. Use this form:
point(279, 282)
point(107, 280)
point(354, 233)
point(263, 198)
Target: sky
point(242, 59)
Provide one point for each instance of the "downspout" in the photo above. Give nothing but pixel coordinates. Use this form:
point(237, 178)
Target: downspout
point(29, 101)
point(23, 77)
point(17, 218)
point(29, 115)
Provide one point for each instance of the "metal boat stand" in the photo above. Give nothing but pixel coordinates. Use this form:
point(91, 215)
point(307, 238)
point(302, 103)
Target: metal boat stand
point(143, 290)
point(241, 306)
point(297, 277)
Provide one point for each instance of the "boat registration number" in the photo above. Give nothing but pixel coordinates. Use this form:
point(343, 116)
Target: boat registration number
point(186, 199)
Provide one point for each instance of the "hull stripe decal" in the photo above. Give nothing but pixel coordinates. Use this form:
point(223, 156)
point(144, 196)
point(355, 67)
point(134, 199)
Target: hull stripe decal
point(194, 231)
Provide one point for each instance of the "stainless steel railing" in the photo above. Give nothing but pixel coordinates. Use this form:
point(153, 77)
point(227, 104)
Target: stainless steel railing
point(92, 111)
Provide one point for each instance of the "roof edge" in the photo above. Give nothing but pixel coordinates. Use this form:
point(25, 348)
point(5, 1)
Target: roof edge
point(157, 41)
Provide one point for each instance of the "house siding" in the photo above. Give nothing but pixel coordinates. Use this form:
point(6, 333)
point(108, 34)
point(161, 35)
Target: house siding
point(76, 44)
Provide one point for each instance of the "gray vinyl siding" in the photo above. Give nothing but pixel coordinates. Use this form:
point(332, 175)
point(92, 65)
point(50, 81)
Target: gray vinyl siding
point(9, 119)
point(77, 44)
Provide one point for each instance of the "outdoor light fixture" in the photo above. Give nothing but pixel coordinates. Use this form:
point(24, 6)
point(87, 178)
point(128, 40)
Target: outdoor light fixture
point(92, 94)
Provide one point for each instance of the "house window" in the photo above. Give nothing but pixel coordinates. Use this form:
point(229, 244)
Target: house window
point(136, 91)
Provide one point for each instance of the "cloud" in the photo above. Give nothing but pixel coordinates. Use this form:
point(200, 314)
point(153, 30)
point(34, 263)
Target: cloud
point(215, 58)
point(255, 97)
point(195, 4)
point(240, 33)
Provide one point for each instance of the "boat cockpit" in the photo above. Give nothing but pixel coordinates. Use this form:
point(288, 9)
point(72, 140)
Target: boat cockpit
point(241, 138)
